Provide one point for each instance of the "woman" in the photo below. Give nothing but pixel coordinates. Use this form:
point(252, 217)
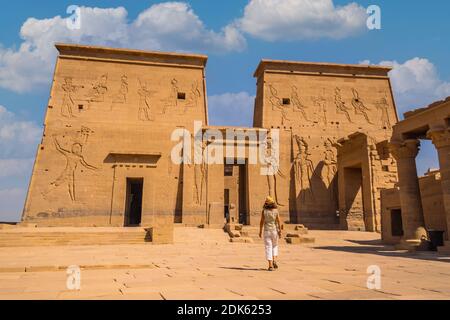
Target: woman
point(270, 220)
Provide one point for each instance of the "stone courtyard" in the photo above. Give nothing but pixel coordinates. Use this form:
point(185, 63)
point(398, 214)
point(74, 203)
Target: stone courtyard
point(203, 264)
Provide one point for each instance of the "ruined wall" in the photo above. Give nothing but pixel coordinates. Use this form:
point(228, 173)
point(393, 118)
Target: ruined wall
point(320, 104)
point(110, 117)
point(432, 202)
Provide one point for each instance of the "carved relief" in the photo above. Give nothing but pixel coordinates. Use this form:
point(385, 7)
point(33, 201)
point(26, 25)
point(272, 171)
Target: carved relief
point(99, 89)
point(303, 168)
point(341, 108)
point(69, 100)
point(200, 175)
point(321, 104)
point(274, 171)
point(145, 110)
point(330, 168)
point(121, 96)
point(359, 106)
point(194, 96)
point(277, 104)
point(73, 157)
point(298, 105)
point(383, 106)
point(172, 100)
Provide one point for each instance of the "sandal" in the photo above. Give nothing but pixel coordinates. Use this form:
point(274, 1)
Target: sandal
point(270, 269)
point(275, 265)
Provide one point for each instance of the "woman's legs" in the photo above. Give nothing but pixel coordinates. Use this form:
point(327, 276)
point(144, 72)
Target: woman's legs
point(275, 248)
point(271, 246)
point(268, 246)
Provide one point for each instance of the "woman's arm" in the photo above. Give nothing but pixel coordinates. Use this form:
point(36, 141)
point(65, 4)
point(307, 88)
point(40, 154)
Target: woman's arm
point(261, 224)
point(278, 225)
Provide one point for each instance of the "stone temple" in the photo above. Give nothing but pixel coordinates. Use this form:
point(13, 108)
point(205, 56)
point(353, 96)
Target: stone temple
point(105, 159)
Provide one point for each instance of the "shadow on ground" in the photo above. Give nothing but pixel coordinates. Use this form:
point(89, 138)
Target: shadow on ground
point(378, 248)
point(244, 269)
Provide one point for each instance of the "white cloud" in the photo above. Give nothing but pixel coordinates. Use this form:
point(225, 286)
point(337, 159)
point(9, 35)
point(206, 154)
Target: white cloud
point(18, 144)
point(292, 20)
point(416, 83)
point(231, 109)
point(167, 26)
point(175, 26)
point(18, 139)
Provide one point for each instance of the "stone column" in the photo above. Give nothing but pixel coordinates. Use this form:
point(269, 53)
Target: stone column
point(441, 140)
point(405, 153)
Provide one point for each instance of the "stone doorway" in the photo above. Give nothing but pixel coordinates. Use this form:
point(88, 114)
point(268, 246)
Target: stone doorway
point(236, 193)
point(133, 207)
point(354, 199)
point(396, 223)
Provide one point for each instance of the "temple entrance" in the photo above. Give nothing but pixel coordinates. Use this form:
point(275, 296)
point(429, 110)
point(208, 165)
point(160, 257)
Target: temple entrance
point(396, 223)
point(133, 207)
point(235, 194)
point(354, 199)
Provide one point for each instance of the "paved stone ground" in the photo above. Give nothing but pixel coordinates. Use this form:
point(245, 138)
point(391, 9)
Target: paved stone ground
point(203, 265)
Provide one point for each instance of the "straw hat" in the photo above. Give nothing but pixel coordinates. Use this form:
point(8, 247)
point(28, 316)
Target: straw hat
point(269, 200)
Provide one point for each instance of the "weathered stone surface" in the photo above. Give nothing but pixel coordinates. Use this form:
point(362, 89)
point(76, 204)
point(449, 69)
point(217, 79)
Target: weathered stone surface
point(105, 153)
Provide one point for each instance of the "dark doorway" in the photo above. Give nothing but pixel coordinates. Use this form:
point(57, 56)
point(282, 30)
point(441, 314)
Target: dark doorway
point(133, 213)
point(396, 223)
point(243, 199)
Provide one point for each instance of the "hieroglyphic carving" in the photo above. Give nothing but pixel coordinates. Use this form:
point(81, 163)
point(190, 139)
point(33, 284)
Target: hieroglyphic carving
point(121, 96)
point(341, 108)
point(145, 110)
point(274, 170)
point(297, 103)
point(69, 100)
point(200, 175)
point(74, 157)
point(330, 162)
point(383, 106)
point(359, 106)
point(321, 103)
point(172, 100)
point(303, 168)
point(330, 167)
point(194, 97)
point(277, 104)
point(98, 90)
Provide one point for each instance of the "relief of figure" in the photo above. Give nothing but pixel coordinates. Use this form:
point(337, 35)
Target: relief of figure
point(303, 168)
point(68, 101)
point(321, 103)
point(298, 105)
point(360, 107)
point(341, 108)
point(274, 171)
point(383, 105)
point(145, 110)
point(200, 174)
point(99, 89)
point(330, 167)
point(74, 157)
point(194, 96)
point(172, 100)
point(277, 104)
point(121, 96)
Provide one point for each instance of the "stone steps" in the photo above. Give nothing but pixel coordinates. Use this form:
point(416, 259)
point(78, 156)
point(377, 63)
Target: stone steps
point(33, 237)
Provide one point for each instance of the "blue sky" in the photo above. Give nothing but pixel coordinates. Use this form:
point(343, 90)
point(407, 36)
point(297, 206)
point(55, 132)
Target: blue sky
point(234, 34)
